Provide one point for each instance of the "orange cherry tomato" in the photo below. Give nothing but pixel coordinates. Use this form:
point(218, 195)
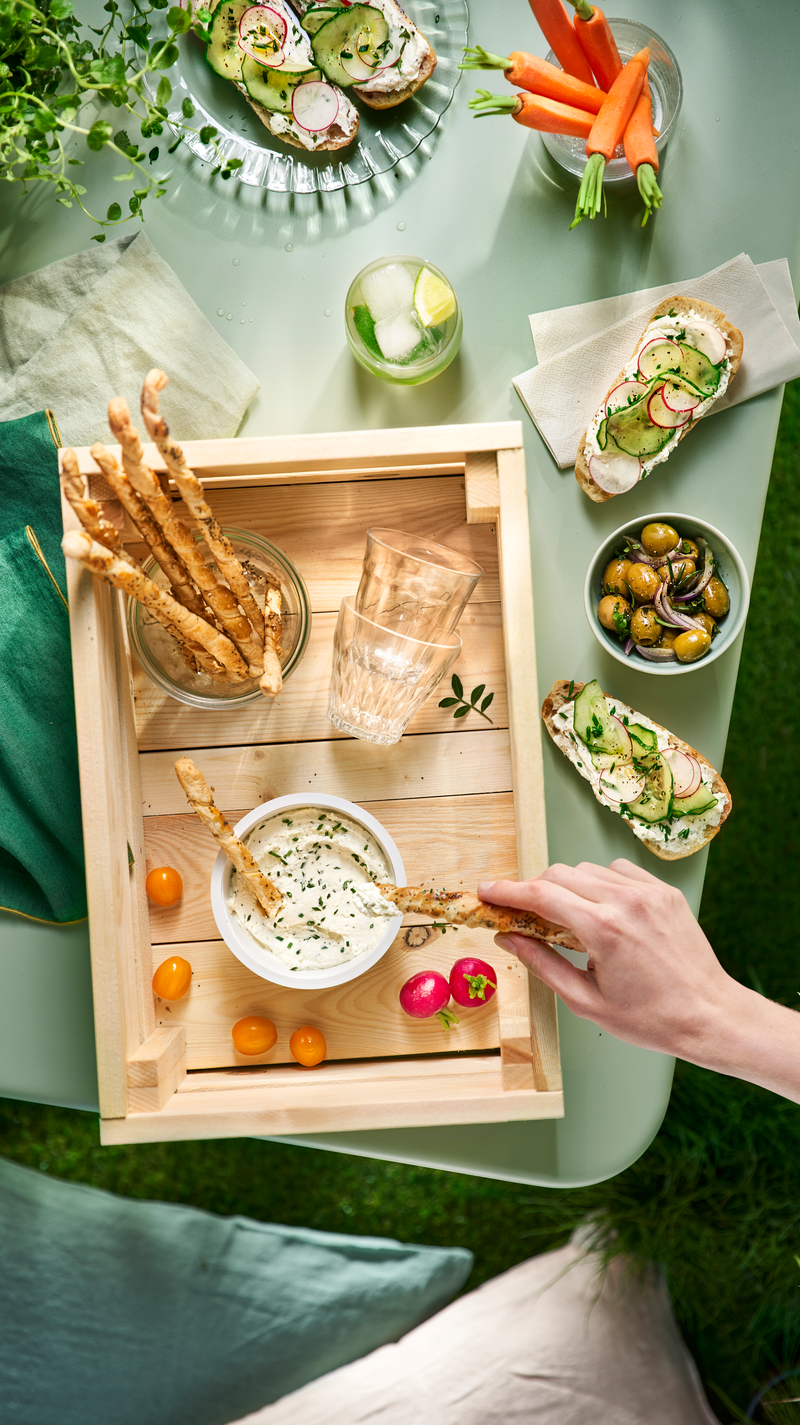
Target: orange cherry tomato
point(253, 1035)
point(172, 978)
point(307, 1046)
point(164, 885)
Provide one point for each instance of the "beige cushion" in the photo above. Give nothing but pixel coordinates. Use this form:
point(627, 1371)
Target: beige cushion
point(544, 1342)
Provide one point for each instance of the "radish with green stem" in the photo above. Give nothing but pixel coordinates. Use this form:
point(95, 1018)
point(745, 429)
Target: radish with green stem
point(427, 994)
point(473, 982)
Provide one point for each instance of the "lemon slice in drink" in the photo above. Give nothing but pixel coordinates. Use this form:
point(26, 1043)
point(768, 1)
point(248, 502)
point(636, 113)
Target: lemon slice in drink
point(434, 299)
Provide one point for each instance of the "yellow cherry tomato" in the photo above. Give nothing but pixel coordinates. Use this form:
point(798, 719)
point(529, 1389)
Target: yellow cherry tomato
point(307, 1045)
point(164, 885)
point(172, 978)
point(253, 1035)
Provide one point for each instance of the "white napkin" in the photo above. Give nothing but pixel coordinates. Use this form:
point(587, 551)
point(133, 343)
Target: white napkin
point(580, 349)
point(90, 327)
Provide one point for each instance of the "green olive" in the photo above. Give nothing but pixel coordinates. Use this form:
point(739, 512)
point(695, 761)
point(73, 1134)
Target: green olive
point(610, 605)
point(668, 636)
point(681, 567)
point(691, 645)
point(716, 600)
point(659, 538)
point(615, 577)
point(643, 582)
point(689, 547)
point(707, 621)
point(645, 627)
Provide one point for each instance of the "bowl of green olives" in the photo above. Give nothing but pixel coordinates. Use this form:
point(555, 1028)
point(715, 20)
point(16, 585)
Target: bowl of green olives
point(666, 593)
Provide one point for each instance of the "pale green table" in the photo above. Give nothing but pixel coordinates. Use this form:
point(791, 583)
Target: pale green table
point(484, 202)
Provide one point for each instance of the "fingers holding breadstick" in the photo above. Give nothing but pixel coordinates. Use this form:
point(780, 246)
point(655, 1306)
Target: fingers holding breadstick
point(200, 797)
point(218, 597)
point(80, 545)
point(193, 496)
point(461, 908)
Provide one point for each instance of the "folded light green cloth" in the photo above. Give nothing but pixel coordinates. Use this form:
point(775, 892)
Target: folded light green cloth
point(41, 839)
point(117, 1312)
point(90, 327)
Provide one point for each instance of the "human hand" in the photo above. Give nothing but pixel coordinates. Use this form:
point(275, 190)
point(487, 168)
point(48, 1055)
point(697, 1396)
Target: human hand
point(651, 978)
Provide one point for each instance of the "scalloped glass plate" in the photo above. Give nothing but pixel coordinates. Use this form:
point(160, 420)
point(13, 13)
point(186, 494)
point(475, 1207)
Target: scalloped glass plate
point(384, 138)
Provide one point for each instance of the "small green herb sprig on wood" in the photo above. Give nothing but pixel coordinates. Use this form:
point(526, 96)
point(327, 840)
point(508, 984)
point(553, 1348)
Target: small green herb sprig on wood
point(465, 707)
point(52, 68)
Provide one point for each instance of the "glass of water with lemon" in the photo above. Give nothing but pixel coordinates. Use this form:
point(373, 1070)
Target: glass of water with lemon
point(403, 320)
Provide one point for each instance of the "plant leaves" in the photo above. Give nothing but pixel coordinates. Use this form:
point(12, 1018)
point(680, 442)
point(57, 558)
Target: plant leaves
point(457, 686)
point(164, 90)
point(179, 20)
point(207, 133)
point(486, 702)
point(114, 213)
point(451, 702)
point(462, 712)
point(59, 9)
point(165, 60)
point(107, 72)
point(187, 108)
point(98, 135)
point(476, 693)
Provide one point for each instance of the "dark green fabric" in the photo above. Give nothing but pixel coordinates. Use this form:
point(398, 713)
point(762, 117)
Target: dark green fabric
point(118, 1312)
point(41, 839)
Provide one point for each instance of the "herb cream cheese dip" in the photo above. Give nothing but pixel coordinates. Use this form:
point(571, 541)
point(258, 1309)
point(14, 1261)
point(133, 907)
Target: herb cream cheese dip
point(325, 866)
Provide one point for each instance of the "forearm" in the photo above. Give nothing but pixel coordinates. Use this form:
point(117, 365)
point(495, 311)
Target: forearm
point(749, 1037)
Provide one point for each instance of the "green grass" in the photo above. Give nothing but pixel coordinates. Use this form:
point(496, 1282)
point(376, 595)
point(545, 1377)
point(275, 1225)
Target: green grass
point(715, 1199)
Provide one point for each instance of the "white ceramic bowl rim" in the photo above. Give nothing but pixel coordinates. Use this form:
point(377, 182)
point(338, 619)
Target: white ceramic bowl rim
point(260, 961)
point(723, 549)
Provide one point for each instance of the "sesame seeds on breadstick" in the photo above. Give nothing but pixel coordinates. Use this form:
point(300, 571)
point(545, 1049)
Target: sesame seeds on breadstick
point(200, 797)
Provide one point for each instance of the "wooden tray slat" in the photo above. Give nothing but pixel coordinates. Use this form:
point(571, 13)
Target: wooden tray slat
point(361, 1018)
point(163, 722)
point(468, 831)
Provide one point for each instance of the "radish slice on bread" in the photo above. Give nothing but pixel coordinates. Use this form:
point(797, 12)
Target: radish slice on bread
point(660, 413)
point(658, 357)
point(686, 772)
point(262, 32)
point(678, 398)
point(706, 338)
point(315, 106)
point(615, 472)
point(624, 395)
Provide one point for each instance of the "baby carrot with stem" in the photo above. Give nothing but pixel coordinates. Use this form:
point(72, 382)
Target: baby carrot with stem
point(597, 42)
point(527, 71)
point(607, 132)
point(554, 24)
point(546, 115)
point(640, 151)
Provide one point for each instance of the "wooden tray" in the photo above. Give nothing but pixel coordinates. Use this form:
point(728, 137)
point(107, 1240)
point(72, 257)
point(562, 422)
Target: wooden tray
point(462, 799)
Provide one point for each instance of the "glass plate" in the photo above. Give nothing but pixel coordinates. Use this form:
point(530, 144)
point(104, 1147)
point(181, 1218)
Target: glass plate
point(384, 138)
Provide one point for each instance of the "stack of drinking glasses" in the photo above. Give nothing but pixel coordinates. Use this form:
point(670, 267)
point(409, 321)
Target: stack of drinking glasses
point(395, 638)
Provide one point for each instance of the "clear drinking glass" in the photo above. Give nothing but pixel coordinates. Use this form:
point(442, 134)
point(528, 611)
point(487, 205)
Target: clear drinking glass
point(387, 332)
point(381, 678)
point(413, 585)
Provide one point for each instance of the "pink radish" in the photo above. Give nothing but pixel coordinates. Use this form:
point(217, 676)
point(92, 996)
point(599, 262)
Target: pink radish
point(686, 772)
point(616, 472)
point(262, 32)
point(661, 415)
point(427, 994)
point(659, 357)
point(624, 784)
point(624, 395)
point(315, 106)
point(472, 982)
point(354, 66)
point(677, 398)
point(706, 338)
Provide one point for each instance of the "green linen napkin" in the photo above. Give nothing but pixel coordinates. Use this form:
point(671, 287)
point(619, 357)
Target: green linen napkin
point(41, 840)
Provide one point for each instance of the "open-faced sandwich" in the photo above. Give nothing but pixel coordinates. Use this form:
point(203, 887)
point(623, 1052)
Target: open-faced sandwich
point(670, 796)
point(374, 48)
point(266, 53)
point(685, 360)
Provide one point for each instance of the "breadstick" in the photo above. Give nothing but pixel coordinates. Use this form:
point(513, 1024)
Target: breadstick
point(268, 632)
point(460, 908)
point(80, 545)
point(201, 800)
point(87, 510)
point(219, 598)
point(135, 506)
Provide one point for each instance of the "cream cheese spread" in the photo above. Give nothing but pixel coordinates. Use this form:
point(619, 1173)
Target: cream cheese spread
point(325, 866)
point(686, 833)
point(664, 327)
point(415, 49)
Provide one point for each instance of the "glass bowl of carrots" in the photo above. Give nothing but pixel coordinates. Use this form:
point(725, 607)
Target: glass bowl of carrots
point(666, 92)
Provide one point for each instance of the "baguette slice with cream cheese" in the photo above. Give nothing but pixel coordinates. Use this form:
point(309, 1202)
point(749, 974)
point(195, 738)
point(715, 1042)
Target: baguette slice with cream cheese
point(669, 841)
